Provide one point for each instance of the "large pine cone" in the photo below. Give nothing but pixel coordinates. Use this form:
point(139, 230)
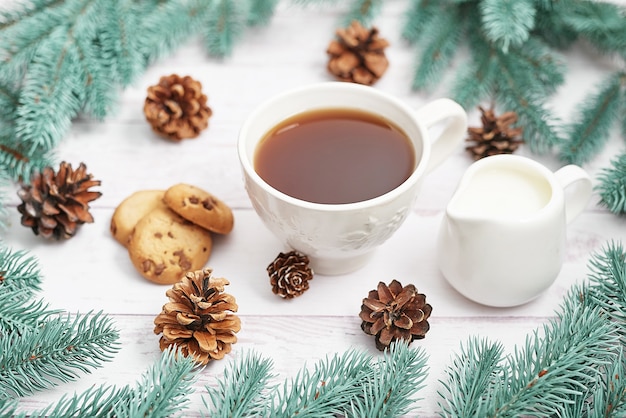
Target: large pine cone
point(176, 107)
point(55, 205)
point(358, 55)
point(495, 136)
point(290, 274)
point(199, 317)
point(393, 313)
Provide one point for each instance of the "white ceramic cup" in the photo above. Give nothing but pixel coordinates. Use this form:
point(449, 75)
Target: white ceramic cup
point(339, 238)
point(503, 235)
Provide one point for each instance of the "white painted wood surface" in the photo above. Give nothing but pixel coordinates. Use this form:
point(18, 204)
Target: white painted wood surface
point(92, 272)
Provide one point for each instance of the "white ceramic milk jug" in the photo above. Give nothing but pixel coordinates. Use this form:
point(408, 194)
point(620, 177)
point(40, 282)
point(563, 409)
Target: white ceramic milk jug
point(502, 238)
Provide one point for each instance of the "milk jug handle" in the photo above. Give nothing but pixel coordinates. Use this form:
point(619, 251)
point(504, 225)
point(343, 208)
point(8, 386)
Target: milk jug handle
point(575, 178)
point(455, 119)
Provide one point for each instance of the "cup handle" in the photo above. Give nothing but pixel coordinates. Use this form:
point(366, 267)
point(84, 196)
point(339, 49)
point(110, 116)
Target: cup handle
point(575, 202)
point(435, 112)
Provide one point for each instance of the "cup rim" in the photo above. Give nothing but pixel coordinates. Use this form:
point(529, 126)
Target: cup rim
point(420, 163)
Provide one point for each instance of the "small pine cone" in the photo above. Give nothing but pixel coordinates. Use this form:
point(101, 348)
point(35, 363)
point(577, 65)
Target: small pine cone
point(55, 205)
point(199, 317)
point(496, 136)
point(393, 313)
point(358, 55)
point(290, 274)
point(176, 107)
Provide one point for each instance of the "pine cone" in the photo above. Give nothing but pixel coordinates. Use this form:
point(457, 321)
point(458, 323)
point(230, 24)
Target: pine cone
point(290, 274)
point(55, 205)
point(198, 317)
point(357, 55)
point(176, 107)
point(496, 136)
point(393, 313)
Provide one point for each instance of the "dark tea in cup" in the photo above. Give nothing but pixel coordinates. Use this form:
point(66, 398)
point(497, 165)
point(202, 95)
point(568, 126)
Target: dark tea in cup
point(335, 156)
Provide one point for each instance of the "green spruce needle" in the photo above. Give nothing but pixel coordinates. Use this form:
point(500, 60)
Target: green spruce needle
point(243, 391)
point(612, 185)
point(596, 115)
point(58, 350)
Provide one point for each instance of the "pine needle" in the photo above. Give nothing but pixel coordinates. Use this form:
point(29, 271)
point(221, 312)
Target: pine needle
point(243, 391)
point(8, 406)
point(507, 22)
point(418, 16)
point(166, 25)
point(397, 377)
point(603, 24)
point(567, 367)
point(439, 44)
point(595, 117)
point(19, 312)
point(260, 12)
point(326, 390)
point(47, 99)
point(471, 378)
point(225, 26)
point(612, 185)
point(33, 359)
point(19, 270)
point(161, 392)
point(475, 81)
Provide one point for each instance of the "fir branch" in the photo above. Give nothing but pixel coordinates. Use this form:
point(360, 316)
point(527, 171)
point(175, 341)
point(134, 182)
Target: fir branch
point(609, 400)
point(550, 27)
point(48, 102)
point(556, 364)
point(109, 55)
point(595, 117)
point(602, 23)
point(475, 81)
point(553, 367)
point(363, 11)
point(539, 124)
point(117, 47)
point(397, 376)
point(612, 185)
point(526, 77)
point(8, 406)
point(607, 284)
point(96, 402)
point(17, 163)
point(225, 26)
point(325, 391)
point(56, 351)
point(19, 312)
point(163, 390)
point(417, 16)
point(507, 22)
point(243, 390)
point(260, 12)
point(167, 24)
point(471, 377)
point(9, 98)
point(19, 270)
point(439, 44)
point(572, 366)
point(40, 18)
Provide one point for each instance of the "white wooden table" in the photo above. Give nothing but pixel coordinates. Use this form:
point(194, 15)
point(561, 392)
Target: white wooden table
point(92, 272)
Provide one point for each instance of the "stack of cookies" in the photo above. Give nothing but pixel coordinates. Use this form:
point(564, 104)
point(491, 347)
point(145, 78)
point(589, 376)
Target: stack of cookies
point(168, 232)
